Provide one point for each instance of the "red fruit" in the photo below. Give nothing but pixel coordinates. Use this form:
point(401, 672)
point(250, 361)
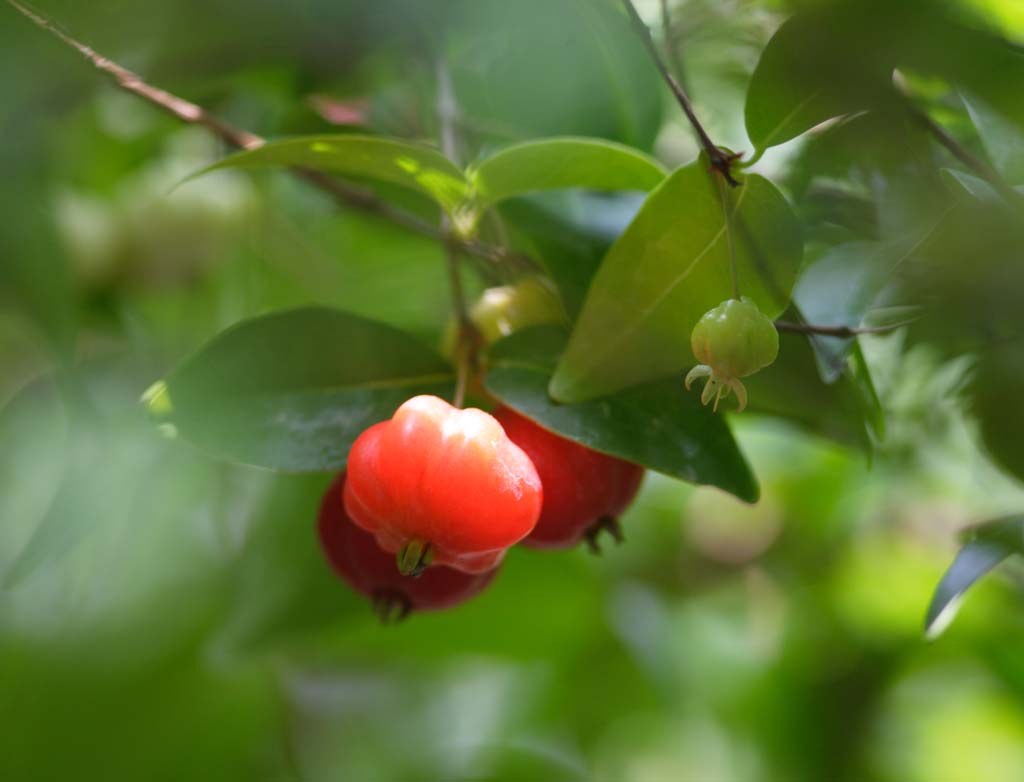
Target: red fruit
point(584, 491)
point(443, 485)
point(354, 555)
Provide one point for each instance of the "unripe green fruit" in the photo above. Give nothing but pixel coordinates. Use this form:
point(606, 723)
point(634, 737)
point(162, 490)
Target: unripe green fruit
point(502, 310)
point(733, 340)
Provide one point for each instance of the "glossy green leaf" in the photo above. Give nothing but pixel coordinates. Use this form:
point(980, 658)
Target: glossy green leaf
point(292, 390)
point(656, 424)
point(569, 233)
point(1003, 139)
point(415, 166)
point(986, 547)
point(995, 391)
point(840, 288)
point(804, 77)
point(560, 163)
point(670, 267)
point(536, 68)
point(839, 58)
point(792, 388)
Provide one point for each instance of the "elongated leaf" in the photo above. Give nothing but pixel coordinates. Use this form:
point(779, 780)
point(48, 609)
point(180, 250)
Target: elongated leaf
point(292, 390)
point(657, 424)
point(535, 68)
point(792, 388)
point(569, 233)
point(836, 290)
point(1003, 139)
point(389, 160)
point(839, 58)
point(987, 546)
point(995, 394)
point(841, 287)
point(805, 76)
point(670, 267)
point(559, 163)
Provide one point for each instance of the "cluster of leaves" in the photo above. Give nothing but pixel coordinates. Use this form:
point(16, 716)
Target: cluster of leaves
point(867, 219)
point(291, 390)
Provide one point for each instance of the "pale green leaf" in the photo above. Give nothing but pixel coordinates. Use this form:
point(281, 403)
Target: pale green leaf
point(398, 162)
point(559, 163)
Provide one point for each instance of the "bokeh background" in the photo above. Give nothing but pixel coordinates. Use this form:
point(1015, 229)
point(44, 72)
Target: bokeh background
point(164, 615)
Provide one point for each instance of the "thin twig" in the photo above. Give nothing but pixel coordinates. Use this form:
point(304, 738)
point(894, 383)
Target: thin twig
point(720, 160)
point(192, 114)
point(671, 48)
point(723, 196)
point(842, 332)
point(464, 352)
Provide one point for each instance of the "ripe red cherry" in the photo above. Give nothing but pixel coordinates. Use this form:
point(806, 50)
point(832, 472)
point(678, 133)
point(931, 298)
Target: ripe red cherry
point(354, 555)
point(443, 485)
point(584, 491)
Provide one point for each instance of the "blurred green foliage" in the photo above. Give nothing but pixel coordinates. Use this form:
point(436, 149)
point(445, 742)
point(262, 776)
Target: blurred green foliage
point(165, 615)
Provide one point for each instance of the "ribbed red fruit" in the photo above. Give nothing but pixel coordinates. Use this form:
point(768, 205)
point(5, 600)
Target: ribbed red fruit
point(445, 484)
point(355, 557)
point(583, 490)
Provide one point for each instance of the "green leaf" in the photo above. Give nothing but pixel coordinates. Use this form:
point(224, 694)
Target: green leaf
point(995, 389)
point(987, 546)
point(670, 267)
point(658, 425)
point(1003, 139)
point(560, 163)
point(399, 162)
point(536, 68)
point(839, 58)
point(792, 388)
point(569, 233)
point(292, 390)
point(804, 77)
point(836, 290)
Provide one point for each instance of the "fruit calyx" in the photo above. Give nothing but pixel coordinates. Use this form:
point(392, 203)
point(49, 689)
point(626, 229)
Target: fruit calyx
point(608, 524)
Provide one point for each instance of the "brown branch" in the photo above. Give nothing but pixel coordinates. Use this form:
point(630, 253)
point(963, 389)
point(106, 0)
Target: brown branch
point(465, 354)
point(670, 44)
point(843, 332)
point(954, 147)
point(720, 160)
point(130, 82)
point(192, 114)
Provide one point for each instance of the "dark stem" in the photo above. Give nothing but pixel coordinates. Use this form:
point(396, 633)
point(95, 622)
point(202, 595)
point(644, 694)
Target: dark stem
point(446, 113)
point(674, 57)
point(720, 160)
point(192, 114)
point(727, 216)
point(837, 331)
point(955, 148)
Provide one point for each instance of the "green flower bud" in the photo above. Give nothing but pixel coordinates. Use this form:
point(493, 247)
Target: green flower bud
point(731, 341)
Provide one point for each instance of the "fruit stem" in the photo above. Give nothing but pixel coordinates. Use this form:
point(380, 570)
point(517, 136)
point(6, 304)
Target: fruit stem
point(414, 557)
point(721, 160)
point(446, 111)
point(727, 216)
